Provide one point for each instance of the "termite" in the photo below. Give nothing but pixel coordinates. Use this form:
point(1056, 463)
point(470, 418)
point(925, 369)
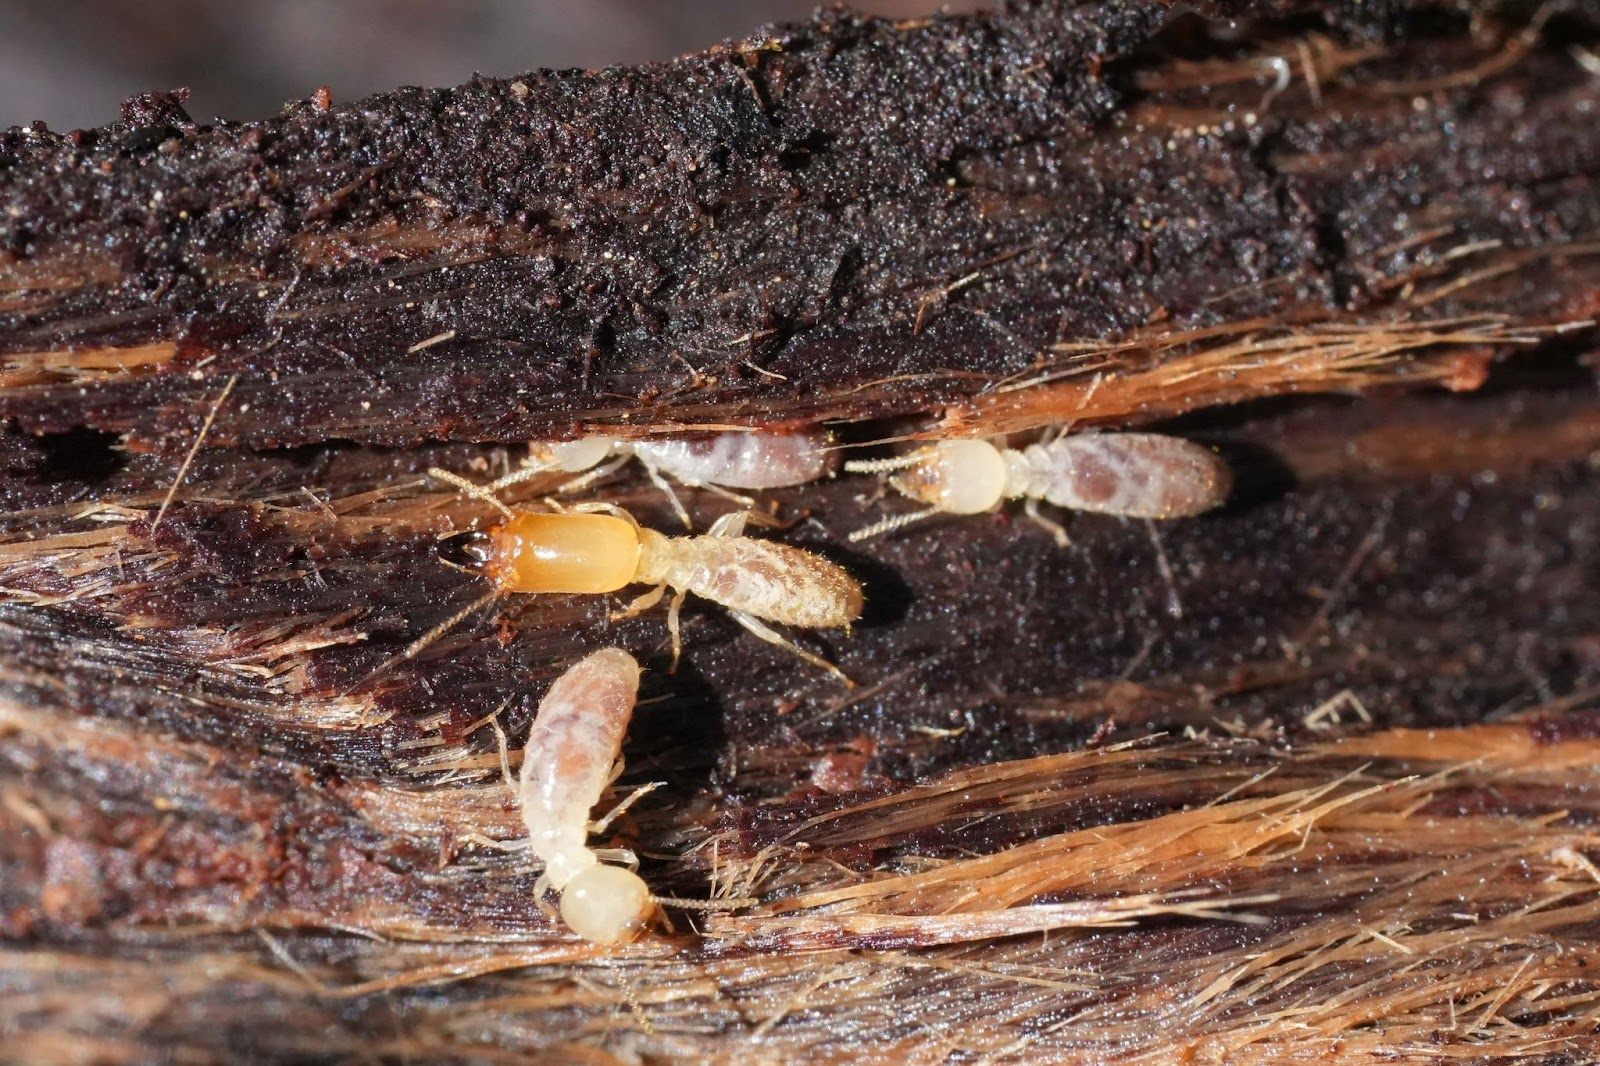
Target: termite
point(1139, 475)
point(574, 751)
point(598, 548)
point(576, 739)
point(718, 462)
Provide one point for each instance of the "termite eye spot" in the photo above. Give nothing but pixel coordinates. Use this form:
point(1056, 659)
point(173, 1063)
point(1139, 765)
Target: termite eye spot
point(469, 548)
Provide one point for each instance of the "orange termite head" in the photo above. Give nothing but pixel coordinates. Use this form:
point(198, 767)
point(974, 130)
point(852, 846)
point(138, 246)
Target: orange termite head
point(576, 553)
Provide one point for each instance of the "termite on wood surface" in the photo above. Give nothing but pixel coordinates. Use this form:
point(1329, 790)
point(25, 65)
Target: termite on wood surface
point(718, 461)
point(598, 548)
point(572, 748)
point(574, 751)
point(1138, 475)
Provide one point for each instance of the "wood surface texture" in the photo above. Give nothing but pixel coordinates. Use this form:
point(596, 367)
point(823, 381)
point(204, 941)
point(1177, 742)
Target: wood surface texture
point(1310, 778)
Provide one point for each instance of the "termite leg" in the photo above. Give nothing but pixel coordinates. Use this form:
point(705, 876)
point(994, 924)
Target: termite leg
point(620, 856)
point(746, 502)
point(594, 507)
point(601, 824)
point(498, 845)
point(505, 757)
point(673, 630)
point(541, 889)
point(584, 480)
point(666, 489)
point(729, 525)
point(1057, 433)
point(640, 605)
point(771, 636)
point(477, 492)
point(1054, 528)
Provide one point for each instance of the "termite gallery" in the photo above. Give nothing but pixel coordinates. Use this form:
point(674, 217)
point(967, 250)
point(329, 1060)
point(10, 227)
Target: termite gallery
point(718, 461)
point(1139, 475)
point(601, 549)
point(576, 738)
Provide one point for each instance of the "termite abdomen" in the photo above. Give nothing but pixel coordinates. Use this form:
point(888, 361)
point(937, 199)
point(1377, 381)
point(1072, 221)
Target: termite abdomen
point(743, 460)
point(1139, 475)
point(568, 759)
point(757, 577)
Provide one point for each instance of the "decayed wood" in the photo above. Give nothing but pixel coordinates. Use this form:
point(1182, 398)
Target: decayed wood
point(1309, 777)
point(849, 218)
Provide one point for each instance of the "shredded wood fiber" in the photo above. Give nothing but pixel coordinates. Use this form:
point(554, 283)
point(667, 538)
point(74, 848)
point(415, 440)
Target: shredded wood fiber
point(1311, 778)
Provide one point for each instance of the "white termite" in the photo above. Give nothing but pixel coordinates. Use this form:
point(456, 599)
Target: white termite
point(1138, 475)
point(718, 462)
point(572, 748)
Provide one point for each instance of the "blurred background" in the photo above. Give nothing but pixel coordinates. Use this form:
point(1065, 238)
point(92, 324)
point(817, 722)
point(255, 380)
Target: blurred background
point(70, 64)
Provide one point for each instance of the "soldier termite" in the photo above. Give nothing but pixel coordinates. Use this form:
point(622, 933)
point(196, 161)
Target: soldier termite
point(719, 461)
point(576, 738)
point(598, 548)
point(1139, 475)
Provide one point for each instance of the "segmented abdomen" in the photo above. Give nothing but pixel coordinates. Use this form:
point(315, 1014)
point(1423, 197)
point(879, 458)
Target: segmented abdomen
point(744, 460)
point(1142, 475)
point(771, 581)
point(574, 742)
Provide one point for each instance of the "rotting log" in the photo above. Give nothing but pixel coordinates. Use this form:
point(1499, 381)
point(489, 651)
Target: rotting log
point(1312, 777)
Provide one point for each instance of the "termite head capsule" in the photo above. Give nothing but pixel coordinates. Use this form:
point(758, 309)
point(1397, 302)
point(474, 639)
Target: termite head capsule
point(607, 904)
point(957, 477)
point(574, 553)
point(572, 456)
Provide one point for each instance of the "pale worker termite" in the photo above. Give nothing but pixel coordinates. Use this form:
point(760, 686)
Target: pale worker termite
point(576, 738)
point(1138, 475)
point(598, 548)
point(718, 461)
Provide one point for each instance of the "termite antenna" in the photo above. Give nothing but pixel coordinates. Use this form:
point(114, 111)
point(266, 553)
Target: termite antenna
point(732, 903)
point(477, 492)
point(894, 462)
point(416, 646)
point(516, 477)
point(631, 994)
point(890, 524)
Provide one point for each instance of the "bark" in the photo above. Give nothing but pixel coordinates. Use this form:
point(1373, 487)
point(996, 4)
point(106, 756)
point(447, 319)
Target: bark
point(1310, 776)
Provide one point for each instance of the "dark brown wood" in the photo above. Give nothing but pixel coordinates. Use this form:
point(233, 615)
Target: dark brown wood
point(1328, 751)
point(848, 218)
